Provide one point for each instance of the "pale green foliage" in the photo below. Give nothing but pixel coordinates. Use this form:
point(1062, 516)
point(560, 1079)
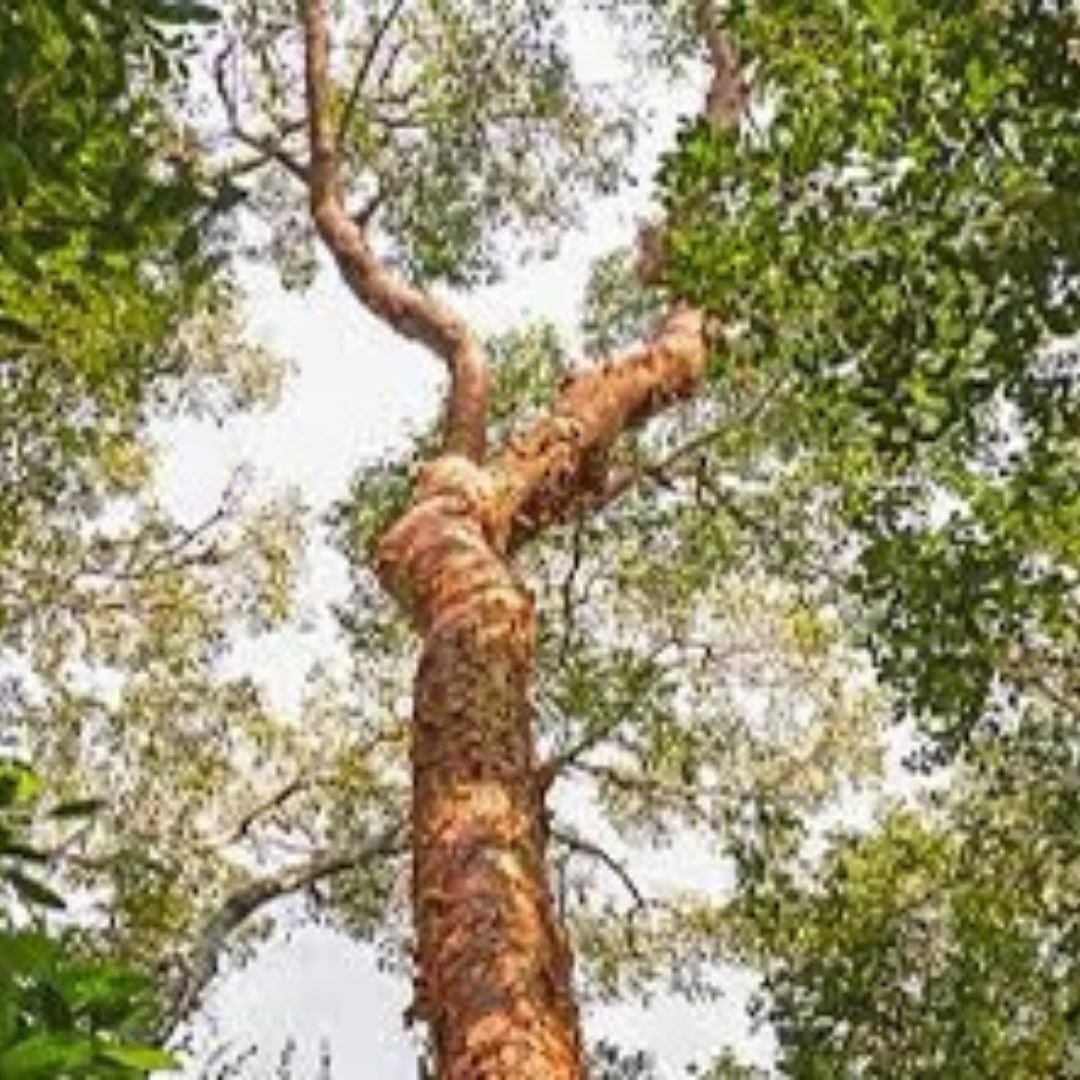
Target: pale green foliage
point(467, 124)
point(617, 310)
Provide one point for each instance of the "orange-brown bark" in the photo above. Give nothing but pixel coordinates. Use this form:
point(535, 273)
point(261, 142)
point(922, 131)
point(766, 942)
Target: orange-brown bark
point(414, 314)
point(493, 978)
point(545, 470)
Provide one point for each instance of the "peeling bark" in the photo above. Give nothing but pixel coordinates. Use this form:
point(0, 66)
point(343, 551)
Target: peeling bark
point(558, 461)
point(493, 967)
point(494, 979)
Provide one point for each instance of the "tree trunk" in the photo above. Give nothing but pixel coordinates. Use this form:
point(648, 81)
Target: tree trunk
point(493, 978)
point(493, 968)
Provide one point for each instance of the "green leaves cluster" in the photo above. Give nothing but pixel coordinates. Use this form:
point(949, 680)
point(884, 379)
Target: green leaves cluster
point(467, 131)
point(895, 230)
point(60, 1016)
point(102, 248)
point(892, 241)
point(941, 943)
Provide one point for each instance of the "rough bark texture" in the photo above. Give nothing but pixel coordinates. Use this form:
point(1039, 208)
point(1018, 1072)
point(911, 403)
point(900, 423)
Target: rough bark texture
point(494, 980)
point(493, 969)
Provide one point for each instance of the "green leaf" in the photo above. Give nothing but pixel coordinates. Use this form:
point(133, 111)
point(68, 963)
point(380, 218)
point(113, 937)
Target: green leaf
point(46, 1057)
point(143, 1058)
point(182, 12)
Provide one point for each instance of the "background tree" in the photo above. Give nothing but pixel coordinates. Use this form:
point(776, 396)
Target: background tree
point(896, 234)
point(119, 622)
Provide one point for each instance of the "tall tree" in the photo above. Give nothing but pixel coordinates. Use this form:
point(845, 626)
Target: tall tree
point(439, 125)
point(898, 236)
point(883, 321)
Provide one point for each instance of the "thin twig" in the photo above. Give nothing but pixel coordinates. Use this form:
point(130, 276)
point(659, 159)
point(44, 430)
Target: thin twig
point(580, 846)
point(270, 147)
point(367, 62)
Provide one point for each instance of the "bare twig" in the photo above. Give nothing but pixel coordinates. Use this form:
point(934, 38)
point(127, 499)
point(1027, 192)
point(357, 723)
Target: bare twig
point(569, 585)
point(267, 806)
point(578, 845)
point(661, 471)
point(649, 789)
point(367, 62)
point(270, 147)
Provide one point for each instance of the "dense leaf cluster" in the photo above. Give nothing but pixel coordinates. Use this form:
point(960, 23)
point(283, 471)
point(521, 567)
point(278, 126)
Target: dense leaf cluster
point(60, 1015)
point(895, 228)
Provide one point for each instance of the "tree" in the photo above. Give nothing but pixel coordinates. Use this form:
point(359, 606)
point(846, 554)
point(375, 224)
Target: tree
point(99, 255)
point(898, 241)
point(942, 942)
point(703, 569)
point(115, 310)
point(493, 980)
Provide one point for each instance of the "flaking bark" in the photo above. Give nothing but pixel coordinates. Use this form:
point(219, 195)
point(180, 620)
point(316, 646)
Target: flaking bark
point(493, 980)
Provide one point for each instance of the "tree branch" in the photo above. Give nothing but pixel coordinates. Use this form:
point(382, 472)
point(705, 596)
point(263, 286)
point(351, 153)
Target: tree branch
point(660, 471)
point(550, 469)
point(269, 147)
point(729, 92)
point(205, 957)
point(578, 845)
point(542, 470)
point(367, 62)
point(268, 805)
point(414, 314)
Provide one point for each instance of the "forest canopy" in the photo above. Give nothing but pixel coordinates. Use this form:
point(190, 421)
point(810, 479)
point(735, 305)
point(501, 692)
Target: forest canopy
point(769, 567)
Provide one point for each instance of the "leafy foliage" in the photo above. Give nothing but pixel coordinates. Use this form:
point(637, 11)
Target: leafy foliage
point(467, 132)
point(895, 231)
point(60, 1016)
point(891, 239)
point(121, 626)
point(943, 942)
point(102, 248)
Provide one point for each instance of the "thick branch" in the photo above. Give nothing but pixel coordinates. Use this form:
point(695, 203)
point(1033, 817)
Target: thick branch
point(729, 93)
point(414, 314)
point(200, 971)
point(551, 468)
point(544, 472)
